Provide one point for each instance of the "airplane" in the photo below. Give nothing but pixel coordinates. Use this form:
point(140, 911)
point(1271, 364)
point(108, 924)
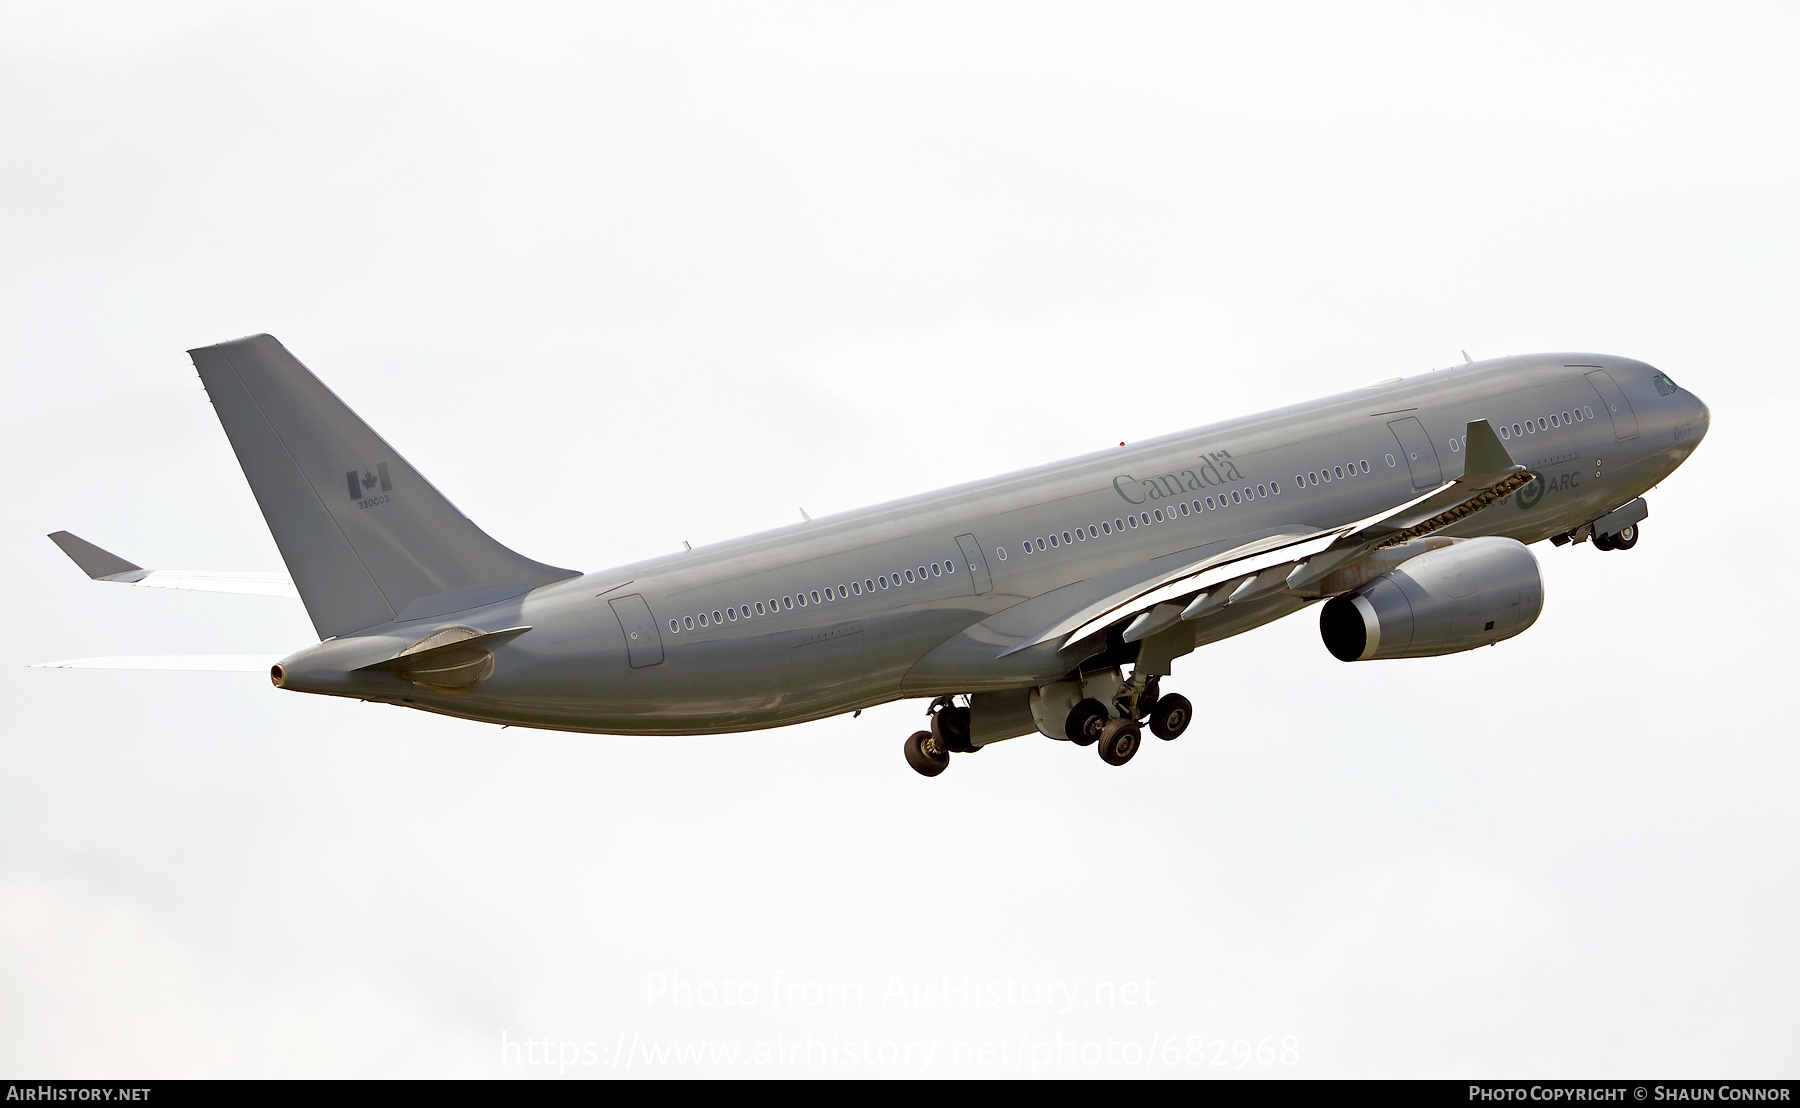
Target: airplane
point(1050, 601)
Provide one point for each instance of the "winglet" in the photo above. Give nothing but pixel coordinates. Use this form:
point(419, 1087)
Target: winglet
point(95, 562)
point(1485, 453)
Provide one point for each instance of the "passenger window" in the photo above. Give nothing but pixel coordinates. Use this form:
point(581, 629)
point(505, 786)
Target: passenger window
point(787, 602)
point(716, 616)
point(1542, 426)
point(1261, 490)
point(1553, 422)
point(909, 576)
point(1106, 528)
point(1340, 473)
point(1000, 550)
point(731, 613)
point(1184, 510)
point(675, 627)
point(1065, 538)
point(1516, 430)
point(1209, 502)
point(1196, 505)
point(949, 567)
point(856, 587)
point(1040, 544)
point(1365, 466)
point(1132, 520)
point(759, 607)
point(1053, 541)
point(801, 597)
point(868, 586)
point(843, 593)
point(1234, 497)
point(703, 619)
point(1093, 532)
point(1312, 478)
point(934, 570)
point(921, 573)
point(1301, 481)
point(1159, 517)
point(1146, 519)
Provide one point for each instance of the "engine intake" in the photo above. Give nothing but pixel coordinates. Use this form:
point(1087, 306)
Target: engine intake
point(1471, 594)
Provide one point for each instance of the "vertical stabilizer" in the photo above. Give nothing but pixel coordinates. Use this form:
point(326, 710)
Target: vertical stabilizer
point(364, 536)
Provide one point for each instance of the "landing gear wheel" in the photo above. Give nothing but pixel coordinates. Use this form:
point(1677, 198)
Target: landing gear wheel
point(1606, 542)
point(1119, 740)
point(1085, 721)
point(1627, 538)
point(1171, 716)
point(924, 755)
point(951, 726)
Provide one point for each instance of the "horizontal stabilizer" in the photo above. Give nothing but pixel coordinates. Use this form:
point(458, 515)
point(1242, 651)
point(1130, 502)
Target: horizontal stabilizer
point(103, 565)
point(193, 663)
point(445, 643)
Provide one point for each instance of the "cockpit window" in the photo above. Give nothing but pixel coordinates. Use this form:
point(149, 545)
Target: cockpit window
point(1663, 384)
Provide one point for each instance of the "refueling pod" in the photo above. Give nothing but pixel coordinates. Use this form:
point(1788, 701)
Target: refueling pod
point(1470, 594)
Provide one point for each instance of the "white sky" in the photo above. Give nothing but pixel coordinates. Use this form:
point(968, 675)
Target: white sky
point(619, 276)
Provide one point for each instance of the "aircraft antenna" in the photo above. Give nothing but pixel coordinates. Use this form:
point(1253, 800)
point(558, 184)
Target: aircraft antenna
point(1466, 359)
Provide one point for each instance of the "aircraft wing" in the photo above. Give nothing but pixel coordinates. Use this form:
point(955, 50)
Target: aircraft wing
point(1305, 555)
point(103, 565)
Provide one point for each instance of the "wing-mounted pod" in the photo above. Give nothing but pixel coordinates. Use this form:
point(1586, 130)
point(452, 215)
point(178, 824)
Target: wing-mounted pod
point(1458, 597)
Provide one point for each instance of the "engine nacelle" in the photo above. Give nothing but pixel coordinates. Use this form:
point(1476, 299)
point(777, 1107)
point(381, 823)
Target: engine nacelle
point(1443, 601)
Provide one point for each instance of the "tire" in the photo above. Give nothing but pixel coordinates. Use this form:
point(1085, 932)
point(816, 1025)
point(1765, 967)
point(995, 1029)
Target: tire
point(1119, 740)
point(1605, 542)
point(1171, 717)
point(1085, 721)
point(951, 726)
point(1627, 538)
point(923, 756)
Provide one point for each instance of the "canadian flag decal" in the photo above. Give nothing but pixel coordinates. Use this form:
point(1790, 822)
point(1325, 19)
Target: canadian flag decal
point(364, 484)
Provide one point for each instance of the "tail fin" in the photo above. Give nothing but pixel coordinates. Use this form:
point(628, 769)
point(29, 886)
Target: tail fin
point(365, 537)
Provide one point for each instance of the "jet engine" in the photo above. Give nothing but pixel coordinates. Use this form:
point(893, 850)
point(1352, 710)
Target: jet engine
point(1456, 598)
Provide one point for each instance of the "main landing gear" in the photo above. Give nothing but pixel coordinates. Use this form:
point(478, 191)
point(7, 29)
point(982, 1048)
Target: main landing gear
point(1103, 711)
point(928, 752)
point(1119, 736)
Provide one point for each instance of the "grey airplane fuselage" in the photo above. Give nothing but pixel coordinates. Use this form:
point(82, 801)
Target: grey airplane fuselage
point(926, 596)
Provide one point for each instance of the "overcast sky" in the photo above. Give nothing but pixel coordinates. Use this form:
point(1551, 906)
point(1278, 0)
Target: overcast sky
point(616, 277)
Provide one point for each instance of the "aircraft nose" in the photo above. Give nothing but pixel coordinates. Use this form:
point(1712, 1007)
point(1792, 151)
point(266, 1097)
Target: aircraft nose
point(1702, 416)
